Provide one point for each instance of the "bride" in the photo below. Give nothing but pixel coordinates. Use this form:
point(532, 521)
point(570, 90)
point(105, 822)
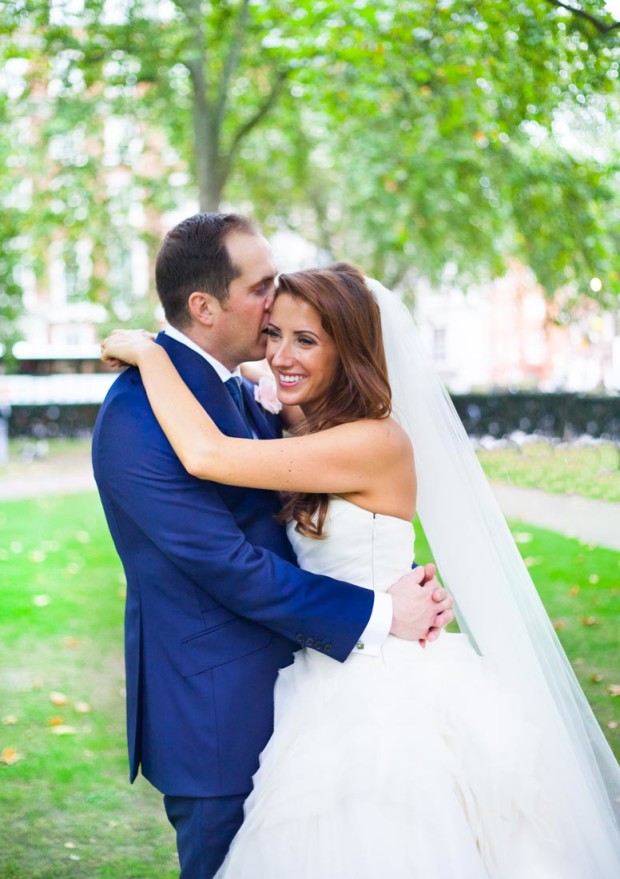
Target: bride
point(472, 757)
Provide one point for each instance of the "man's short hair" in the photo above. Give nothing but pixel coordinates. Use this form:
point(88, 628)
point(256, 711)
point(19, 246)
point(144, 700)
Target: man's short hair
point(193, 257)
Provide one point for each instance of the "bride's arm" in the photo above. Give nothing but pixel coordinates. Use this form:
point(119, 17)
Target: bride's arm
point(348, 458)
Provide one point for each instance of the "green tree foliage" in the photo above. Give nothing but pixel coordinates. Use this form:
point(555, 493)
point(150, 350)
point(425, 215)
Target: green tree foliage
point(409, 135)
point(445, 133)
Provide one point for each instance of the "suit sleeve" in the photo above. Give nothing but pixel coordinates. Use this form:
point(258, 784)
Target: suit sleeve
point(190, 524)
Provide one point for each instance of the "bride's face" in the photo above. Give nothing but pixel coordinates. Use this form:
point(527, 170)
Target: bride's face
point(301, 354)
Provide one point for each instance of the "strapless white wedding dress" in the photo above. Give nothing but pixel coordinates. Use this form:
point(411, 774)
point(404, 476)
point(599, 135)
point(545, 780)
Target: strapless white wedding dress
point(417, 764)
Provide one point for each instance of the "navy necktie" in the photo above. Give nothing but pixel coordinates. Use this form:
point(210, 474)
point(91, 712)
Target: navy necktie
point(234, 389)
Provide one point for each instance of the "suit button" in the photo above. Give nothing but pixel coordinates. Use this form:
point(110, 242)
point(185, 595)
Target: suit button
point(309, 642)
point(318, 645)
point(328, 648)
point(299, 638)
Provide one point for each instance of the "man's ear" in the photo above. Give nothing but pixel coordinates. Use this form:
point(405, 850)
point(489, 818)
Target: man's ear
point(203, 308)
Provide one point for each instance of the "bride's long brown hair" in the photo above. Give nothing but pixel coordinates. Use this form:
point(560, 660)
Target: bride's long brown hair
point(350, 315)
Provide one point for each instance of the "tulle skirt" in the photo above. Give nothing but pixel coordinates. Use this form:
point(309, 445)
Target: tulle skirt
point(418, 763)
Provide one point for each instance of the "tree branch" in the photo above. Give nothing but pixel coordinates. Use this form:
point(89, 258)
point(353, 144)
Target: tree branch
point(260, 113)
point(232, 61)
point(601, 26)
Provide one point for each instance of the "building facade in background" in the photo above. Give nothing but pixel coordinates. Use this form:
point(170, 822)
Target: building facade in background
point(507, 335)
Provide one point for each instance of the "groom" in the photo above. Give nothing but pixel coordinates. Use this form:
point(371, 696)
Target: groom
point(215, 602)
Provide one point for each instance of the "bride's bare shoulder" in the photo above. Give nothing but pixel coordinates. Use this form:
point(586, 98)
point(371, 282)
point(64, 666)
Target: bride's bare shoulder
point(383, 437)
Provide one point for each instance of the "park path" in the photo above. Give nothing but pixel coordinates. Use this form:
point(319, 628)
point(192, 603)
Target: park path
point(596, 522)
point(37, 483)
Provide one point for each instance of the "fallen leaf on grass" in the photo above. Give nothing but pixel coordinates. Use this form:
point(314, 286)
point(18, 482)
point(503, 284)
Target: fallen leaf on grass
point(63, 730)
point(612, 724)
point(589, 621)
point(614, 689)
point(9, 756)
point(71, 643)
point(558, 625)
point(40, 600)
point(55, 721)
point(522, 537)
point(82, 707)
point(532, 561)
point(69, 845)
point(9, 720)
point(58, 698)
point(597, 678)
point(594, 579)
point(574, 590)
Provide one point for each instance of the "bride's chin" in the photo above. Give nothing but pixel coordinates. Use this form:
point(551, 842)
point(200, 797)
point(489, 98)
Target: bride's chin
point(292, 395)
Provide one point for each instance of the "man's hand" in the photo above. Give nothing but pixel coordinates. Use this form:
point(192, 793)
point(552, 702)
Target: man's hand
point(421, 606)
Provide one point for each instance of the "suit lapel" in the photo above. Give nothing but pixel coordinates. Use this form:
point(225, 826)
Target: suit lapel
point(206, 385)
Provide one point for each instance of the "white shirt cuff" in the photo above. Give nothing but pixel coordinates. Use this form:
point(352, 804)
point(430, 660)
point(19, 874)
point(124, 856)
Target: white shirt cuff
point(378, 627)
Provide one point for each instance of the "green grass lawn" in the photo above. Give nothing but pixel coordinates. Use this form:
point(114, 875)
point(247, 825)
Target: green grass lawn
point(592, 472)
point(68, 810)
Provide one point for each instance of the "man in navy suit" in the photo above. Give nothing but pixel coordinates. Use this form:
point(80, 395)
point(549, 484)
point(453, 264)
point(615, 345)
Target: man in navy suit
point(215, 602)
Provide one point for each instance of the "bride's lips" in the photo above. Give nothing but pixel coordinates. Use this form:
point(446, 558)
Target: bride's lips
point(289, 381)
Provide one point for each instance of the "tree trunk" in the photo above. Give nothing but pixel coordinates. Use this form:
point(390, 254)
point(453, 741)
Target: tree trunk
point(213, 163)
point(206, 144)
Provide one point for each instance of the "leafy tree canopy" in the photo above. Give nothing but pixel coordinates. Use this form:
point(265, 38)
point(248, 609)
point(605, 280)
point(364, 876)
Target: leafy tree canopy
point(408, 135)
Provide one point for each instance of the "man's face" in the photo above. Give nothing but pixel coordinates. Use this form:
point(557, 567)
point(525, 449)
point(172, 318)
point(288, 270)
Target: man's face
point(240, 320)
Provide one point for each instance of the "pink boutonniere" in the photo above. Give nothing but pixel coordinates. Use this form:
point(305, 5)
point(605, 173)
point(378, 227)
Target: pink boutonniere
point(265, 394)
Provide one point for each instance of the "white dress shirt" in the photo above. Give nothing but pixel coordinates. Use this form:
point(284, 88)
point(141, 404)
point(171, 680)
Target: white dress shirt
point(380, 622)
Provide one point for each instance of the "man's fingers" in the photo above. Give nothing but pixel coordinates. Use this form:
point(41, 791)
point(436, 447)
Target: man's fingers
point(432, 635)
point(444, 618)
point(440, 594)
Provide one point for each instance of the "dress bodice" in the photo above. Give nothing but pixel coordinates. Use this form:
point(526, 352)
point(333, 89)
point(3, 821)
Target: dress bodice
point(368, 549)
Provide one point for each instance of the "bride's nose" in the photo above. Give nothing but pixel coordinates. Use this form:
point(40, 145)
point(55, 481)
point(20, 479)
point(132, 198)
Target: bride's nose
point(280, 355)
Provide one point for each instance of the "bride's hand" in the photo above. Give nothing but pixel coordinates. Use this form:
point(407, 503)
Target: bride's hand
point(124, 347)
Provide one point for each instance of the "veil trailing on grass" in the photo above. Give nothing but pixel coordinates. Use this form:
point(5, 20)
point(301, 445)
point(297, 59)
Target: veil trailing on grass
point(496, 602)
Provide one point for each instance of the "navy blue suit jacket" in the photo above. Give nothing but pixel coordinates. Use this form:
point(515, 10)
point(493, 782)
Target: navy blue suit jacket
point(215, 603)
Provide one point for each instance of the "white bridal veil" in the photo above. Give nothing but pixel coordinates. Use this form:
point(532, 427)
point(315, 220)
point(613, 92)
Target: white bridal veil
point(496, 603)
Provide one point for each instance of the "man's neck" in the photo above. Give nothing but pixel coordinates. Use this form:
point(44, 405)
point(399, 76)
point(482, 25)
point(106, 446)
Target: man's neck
point(194, 335)
point(194, 341)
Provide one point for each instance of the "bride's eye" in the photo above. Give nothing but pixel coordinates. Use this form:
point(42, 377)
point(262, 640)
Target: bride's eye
point(273, 334)
point(306, 340)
